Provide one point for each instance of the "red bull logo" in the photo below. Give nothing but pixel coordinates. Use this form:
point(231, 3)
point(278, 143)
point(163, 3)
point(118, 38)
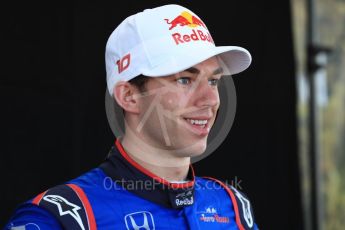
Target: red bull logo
point(187, 19)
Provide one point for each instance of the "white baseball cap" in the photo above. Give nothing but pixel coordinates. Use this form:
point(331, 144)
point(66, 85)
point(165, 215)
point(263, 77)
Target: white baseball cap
point(163, 41)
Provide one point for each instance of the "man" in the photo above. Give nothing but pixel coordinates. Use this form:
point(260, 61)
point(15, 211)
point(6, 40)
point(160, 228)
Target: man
point(162, 70)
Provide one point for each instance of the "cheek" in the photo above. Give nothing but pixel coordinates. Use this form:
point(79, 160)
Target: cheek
point(173, 101)
point(144, 104)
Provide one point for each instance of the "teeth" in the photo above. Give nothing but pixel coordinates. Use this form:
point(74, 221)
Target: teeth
point(198, 122)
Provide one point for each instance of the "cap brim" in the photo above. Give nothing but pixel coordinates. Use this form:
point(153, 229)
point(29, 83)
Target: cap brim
point(235, 60)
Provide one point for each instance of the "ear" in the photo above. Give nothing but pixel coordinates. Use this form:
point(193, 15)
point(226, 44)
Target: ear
point(125, 95)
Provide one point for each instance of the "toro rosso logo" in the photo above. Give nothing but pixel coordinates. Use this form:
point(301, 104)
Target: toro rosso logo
point(191, 21)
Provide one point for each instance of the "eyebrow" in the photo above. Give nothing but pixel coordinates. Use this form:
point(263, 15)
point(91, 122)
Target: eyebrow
point(218, 71)
point(194, 70)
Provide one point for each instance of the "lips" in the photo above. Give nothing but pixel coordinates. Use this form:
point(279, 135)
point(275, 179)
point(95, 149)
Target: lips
point(198, 125)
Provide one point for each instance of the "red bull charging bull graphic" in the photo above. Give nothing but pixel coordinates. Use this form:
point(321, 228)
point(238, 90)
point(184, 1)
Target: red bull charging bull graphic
point(191, 21)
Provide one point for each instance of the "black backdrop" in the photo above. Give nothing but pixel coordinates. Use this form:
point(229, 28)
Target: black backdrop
point(52, 91)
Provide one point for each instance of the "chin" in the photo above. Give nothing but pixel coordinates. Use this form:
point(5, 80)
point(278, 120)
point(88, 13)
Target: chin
point(194, 149)
point(198, 150)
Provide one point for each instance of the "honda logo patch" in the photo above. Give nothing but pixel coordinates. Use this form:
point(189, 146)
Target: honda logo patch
point(139, 221)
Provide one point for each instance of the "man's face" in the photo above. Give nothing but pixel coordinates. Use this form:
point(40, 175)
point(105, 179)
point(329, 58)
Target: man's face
point(178, 111)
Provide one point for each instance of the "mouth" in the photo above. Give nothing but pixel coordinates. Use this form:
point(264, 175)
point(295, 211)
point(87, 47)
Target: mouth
point(198, 125)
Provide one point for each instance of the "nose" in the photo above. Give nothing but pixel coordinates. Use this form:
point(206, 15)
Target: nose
point(206, 95)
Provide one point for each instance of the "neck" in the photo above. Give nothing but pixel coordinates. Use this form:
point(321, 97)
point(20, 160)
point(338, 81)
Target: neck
point(163, 163)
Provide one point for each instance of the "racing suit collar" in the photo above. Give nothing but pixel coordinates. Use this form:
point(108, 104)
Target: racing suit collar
point(133, 177)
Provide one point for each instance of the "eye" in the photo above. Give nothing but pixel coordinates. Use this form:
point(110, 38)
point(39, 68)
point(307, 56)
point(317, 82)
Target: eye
point(184, 80)
point(213, 82)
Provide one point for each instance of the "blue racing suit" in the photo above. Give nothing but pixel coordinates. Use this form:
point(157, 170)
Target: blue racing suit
point(120, 194)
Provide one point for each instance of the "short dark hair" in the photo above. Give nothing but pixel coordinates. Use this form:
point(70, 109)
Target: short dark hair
point(139, 82)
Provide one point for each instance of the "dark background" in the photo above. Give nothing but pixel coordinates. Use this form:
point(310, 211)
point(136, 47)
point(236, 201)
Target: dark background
point(52, 90)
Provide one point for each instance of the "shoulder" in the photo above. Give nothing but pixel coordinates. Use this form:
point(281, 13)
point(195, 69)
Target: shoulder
point(29, 216)
point(62, 205)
